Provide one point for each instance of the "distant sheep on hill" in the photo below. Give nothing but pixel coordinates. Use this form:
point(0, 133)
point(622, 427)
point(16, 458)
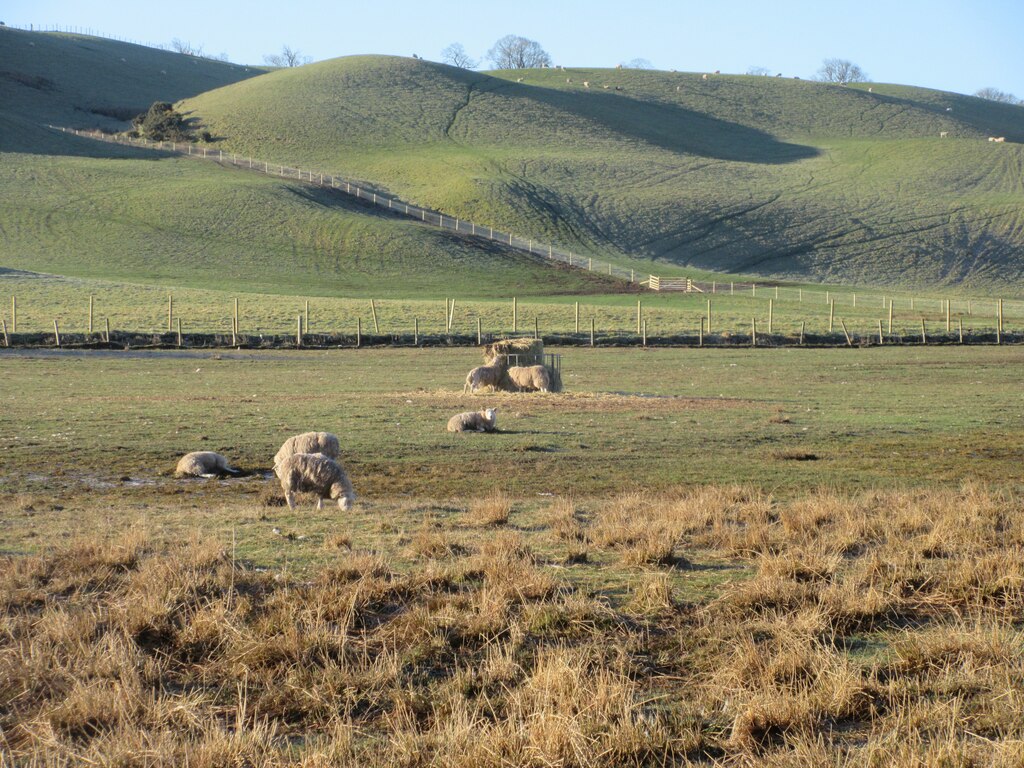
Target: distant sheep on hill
point(474, 421)
point(203, 464)
point(315, 473)
point(308, 442)
point(530, 378)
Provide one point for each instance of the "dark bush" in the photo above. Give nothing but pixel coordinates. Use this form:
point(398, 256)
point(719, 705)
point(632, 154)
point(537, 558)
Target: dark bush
point(162, 123)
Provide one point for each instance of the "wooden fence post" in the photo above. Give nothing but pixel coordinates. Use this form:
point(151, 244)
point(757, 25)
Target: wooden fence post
point(638, 316)
point(7, 341)
point(924, 338)
point(416, 331)
point(880, 339)
point(961, 330)
point(14, 314)
point(359, 332)
point(179, 331)
point(753, 331)
point(771, 315)
point(831, 314)
point(451, 316)
point(645, 332)
point(298, 331)
point(846, 333)
point(479, 332)
point(947, 315)
point(732, 288)
point(56, 333)
point(536, 327)
point(515, 315)
point(373, 312)
point(802, 322)
point(234, 332)
point(577, 317)
point(90, 314)
point(709, 315)
point(890, 315)
point(591, 331)
point(999, 334)
point(106, 326)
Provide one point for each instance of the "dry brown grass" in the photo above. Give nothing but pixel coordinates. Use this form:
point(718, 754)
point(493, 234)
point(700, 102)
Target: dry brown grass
point(878, 629)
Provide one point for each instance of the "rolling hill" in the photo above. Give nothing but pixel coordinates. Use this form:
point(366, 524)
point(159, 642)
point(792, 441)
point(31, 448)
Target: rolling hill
point(761, 175)
point(82, 208)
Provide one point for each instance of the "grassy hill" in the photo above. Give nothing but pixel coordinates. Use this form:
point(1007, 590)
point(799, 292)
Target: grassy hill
point(740, 174)
point(88, 209)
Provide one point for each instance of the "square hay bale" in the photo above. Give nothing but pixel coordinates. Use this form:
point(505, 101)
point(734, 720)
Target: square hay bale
point(518, 351)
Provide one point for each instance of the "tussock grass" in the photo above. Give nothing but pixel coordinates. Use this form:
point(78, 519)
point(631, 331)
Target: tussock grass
point(866, 652)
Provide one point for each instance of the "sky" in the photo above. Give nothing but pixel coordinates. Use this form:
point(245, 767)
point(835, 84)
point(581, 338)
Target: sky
point(952, 45)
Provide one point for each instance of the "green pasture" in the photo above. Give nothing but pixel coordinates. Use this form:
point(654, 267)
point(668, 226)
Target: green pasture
point(90, 439)
point(143, 307)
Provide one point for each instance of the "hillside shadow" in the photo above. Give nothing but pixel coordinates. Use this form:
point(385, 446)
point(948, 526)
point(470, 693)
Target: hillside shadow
point(666, 126)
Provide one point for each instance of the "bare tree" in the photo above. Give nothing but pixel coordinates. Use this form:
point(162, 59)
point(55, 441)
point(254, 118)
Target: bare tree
point(288, 57)
point(637, 64)
point(760, 71)
point(183, 46)
point(515, 52)
point(994, 94)
point(840, 71)
point(456, 55)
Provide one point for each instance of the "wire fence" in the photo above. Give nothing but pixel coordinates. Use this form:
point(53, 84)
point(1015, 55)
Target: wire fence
point(552, 253)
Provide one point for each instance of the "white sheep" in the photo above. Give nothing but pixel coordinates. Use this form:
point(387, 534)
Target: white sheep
point(474, 421)
point(485, 375)
point(203, 464)
point(586, 83)
point(530, 378)
point(943, 134)
point(704, 77)
point(315, 473)
point(308, 442)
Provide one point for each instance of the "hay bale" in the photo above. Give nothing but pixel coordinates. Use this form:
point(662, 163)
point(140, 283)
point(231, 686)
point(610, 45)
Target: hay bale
point(517, 351)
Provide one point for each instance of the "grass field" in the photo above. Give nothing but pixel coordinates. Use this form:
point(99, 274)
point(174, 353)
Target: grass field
point(689, 557)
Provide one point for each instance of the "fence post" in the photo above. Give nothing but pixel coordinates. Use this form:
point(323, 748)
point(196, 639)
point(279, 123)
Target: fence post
point(416, 331)
point(961, 330)
point(56, 333)
point(947, 315)
point(709, 315)
point(479, 332)
point(732, 288)
point(846, 333)
point(802, 323)
point(359, 332)
point(638, 315)
point(577, 317)
point(536, 327)
point(924, 338)
point(14, 314)
point(771, 315)
point(234, 331)
point(298, 331)
point(890, 314)
point(106, 326)
point(515, 316)
point(590, 263)
point(880, 339)
point(753, 289)
point(373, 312)
point(645, 332)
point(179, 331)
point(999, 333)
point(451, 316)
point(753, 331)
point(90, 314)
point(591, 331)
point(831, 314)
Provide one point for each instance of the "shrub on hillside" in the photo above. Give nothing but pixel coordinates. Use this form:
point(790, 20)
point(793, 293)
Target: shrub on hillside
point(161, 123)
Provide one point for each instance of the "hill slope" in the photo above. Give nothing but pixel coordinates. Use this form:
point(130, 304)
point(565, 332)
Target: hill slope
point(89, 209)
point(777, 177)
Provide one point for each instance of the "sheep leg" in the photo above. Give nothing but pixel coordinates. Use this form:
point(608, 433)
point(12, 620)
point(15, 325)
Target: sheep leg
point(319, 503)
point(290, 498)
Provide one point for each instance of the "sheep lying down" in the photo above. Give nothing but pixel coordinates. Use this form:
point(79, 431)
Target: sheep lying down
point(203, 464)
point(474, 421)
point(315, 473)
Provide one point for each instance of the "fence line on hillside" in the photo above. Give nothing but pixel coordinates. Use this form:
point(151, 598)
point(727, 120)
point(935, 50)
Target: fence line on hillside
point(89, 32)
point(548, 252)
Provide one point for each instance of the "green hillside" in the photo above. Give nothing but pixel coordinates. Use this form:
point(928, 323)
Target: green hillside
point(82, 208)
point(762, 175)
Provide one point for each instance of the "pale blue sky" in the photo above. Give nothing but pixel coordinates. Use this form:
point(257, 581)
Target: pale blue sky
point(955, 45)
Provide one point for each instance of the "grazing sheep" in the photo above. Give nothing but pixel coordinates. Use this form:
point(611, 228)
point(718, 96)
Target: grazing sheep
point(474, 421)
point(308, 442)
point(519, 79)
point(315, 473)
point(586, 83)
point(203, 464)
point(871, 90)
point(606, 87)
point(999, 140)
point(943, 134)
point(486, 375)
point(530, 378)
point(568, 79)
point(704, 77)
